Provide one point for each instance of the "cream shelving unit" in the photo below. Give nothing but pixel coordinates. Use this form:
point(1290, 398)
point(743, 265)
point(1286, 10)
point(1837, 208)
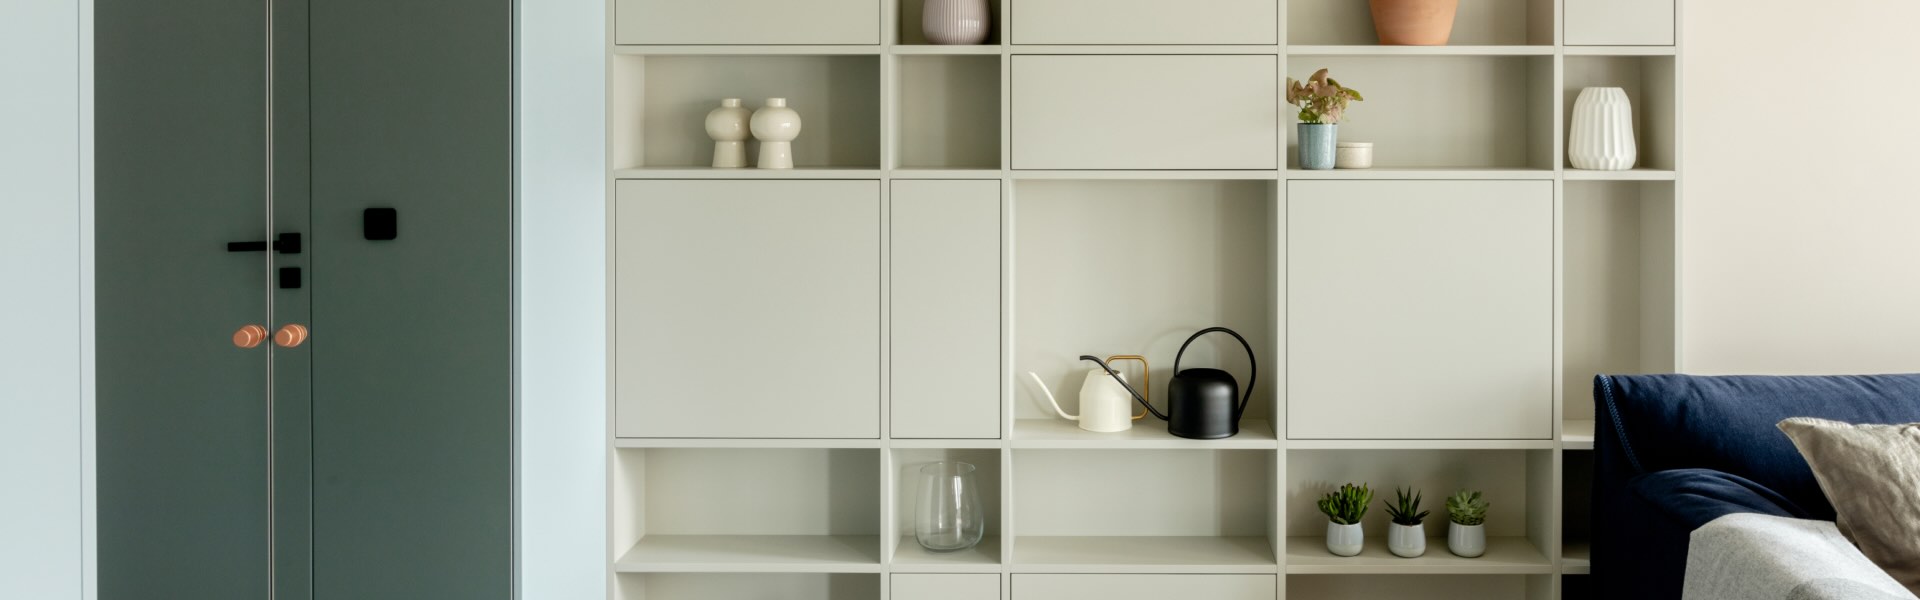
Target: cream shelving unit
point(791, 345)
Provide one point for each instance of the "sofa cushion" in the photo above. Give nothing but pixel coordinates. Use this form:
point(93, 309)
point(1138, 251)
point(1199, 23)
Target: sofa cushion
point(1695, 497)
point(1872, 475)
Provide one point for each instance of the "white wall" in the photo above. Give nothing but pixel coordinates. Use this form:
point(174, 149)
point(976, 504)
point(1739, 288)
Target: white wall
point(45, 431)
point(1801, 243)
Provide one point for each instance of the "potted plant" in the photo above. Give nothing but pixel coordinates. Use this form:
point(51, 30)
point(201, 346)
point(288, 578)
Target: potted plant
point(1323, 103)
point(1467, 524)
point(1414, 22)
point(1407, 536)
point(1344, 509)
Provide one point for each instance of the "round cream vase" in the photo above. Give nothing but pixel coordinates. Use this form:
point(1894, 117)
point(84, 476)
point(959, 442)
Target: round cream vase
point(1353, 155)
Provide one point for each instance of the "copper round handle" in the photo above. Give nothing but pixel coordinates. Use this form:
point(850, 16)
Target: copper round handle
point(290, 336)
point(249, 336)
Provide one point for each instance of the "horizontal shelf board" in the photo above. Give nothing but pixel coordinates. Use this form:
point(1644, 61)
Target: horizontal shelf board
point(1170, 554)
point(1420, 444)
point(984, 556)
point(749, 173)
point(1092, 174)
point(1576, 558)
point(1620, 51)
point(634, 50)
point(1371, 50)
point(958, 444)
point(1308, 555)
point(1422, 174)
point(1146, 49)
point(1572, 174)
point(1576, 434)
point(938, 50)
point(1148, 433)
point(741, 443)
point(938, 173)
point(752, 554)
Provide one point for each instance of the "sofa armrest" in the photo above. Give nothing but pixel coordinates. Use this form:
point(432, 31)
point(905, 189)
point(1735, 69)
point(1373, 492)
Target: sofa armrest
point(1695, 497)
point(1764, 557)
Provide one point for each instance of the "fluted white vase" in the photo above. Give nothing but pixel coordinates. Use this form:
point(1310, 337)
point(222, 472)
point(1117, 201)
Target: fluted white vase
point(1601, 138)
point(955, 21)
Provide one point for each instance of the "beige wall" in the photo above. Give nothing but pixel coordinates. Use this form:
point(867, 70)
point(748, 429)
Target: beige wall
point(1802, 192)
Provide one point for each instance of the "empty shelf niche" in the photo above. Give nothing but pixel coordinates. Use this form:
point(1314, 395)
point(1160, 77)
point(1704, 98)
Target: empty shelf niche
point(660, 106)
point(949, 112)
point(734, 510)
point(1517, 483)
point(785, 586)
point(1478, 23)
point(907, 488)
point(1443, 112)
point(1167, 510)
point(1619, 285)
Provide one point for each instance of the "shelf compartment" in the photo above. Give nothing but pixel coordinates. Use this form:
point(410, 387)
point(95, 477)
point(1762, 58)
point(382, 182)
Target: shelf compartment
point(1517, 483)
point(706, 586)
point(1618, 285)
point(746, 173)
point(746, 510)
point(1162, 554)
point(949, 112)
point(1135, 267)
point(1308, 555)
point(1146, 434)
point(1190, 510)
point(660, 103)
point(908, 27)
point(1418, 174)
point(906, 465)
point(752, 554)
point(1420, 444)
point(1478, 23)
point(1651, 83)
point(1377, 50)
point(1439, 112)
point(1426, 587)
point(985, 557)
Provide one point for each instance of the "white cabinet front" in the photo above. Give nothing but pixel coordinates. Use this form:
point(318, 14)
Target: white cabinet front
point(957, 586)
point(946, 309)
point(1145, 112)
point(747, 309)
point(1144, 587)
point(1145, 22)
point(1420, 309)
point(747, 22)
point(1620, 22)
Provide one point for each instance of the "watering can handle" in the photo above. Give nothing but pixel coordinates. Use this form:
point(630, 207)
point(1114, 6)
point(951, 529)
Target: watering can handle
point(1253, 367)
point(1146, 378)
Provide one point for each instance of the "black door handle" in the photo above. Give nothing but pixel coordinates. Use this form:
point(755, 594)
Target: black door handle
point(288, 243)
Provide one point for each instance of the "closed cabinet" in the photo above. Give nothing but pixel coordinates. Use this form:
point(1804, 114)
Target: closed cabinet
point(747, 309)
point(1620, 22)
point(1144, 587)
point(1420, 309)
point(1145, 112)
point(969, 586)
point(946, 309)
point(1145, 22)
point(725, 22)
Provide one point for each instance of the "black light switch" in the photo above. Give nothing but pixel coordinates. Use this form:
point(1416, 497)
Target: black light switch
point(290, 278)
point(382, 224)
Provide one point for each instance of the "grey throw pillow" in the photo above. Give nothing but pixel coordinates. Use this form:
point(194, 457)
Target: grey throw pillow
point(1871, 474)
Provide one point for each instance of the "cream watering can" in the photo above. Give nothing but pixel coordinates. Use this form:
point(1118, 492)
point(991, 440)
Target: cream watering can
point(1105, 405)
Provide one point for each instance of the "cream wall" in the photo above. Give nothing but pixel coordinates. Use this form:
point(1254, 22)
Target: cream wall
point(1801, 226)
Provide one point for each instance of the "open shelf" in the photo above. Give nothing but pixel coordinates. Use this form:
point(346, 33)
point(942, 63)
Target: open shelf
point(1148, 433)
point(1519, 485)
point(660, 104)
point(746, 173)
point(739, 510)
point(907, 482)
point(1628, 175)
point(1651, 83)
point(1162, 554)
point(980, 558)
point(1308, 555)
point(1377, 50)
point(908, 26)
point(752, 554)
point(1173, 510)
point(707, 586)
point(1450, 586)
point(1618, 285)
point(1478, 23)
point(1420, 444)
point(1432, 173)
point(1576, 434)
point(949, 112)
point(1442, 112)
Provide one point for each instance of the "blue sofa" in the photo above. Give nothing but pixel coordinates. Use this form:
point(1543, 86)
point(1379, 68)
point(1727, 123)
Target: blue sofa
point(1674, 452)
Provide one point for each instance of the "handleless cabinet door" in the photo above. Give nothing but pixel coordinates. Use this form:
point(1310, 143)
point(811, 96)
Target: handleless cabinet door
point(1620, 22)
point(747, 22)
point(1146, 112)
point(946, 309)
point(949, 586)
point(1426, 303)
point(1144, 587)
point(747, 309)
point(1145, 22)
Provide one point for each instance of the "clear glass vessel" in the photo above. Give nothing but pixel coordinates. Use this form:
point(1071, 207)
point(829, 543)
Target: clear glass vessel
point(948, 516)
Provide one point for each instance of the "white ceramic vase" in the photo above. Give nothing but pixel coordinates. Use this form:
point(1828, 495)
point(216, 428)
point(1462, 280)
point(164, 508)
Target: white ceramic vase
point(955, 21)
point(1467, 541)
point(1407, 541)
point(1345, 540)
point(1601, 137)
point(776, 126)
point(728, 127)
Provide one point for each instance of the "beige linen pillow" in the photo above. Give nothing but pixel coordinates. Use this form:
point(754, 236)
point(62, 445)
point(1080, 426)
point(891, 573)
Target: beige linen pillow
point(1871, 474)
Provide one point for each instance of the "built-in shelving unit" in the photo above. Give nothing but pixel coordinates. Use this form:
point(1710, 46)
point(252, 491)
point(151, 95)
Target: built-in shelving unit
point(1106, 182)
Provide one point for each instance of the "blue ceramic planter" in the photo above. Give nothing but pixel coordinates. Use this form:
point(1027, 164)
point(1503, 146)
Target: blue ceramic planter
point(1318, 143)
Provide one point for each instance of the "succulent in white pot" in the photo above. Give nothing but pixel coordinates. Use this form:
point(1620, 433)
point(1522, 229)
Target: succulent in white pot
point(1344, 509)
point(1407, 536)
point(1467, 524)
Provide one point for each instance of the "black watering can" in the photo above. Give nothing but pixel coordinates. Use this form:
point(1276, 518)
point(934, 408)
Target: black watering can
point(1200, 402)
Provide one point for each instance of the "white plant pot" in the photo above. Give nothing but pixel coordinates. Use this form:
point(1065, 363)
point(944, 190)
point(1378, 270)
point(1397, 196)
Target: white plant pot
point(1467, 541)
point(1345, 540)
point(1407, 541)
point(1601, 137)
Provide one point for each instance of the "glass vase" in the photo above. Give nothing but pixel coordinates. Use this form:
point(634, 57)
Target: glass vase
point(948, 516)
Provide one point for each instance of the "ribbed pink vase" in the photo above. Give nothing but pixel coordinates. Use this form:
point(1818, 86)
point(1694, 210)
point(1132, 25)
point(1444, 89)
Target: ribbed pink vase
point(1601, 138)
point(955, 22)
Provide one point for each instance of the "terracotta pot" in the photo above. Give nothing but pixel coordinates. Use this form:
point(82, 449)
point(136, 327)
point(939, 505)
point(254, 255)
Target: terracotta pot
point(1414, 22)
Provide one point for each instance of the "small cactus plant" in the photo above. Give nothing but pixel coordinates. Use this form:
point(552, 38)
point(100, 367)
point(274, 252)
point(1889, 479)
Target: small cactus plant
point(1406, 511)
point(1347, 506)
point(1467, 508)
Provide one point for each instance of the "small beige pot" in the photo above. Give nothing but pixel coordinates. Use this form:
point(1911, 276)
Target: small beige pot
point(1414, 22)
